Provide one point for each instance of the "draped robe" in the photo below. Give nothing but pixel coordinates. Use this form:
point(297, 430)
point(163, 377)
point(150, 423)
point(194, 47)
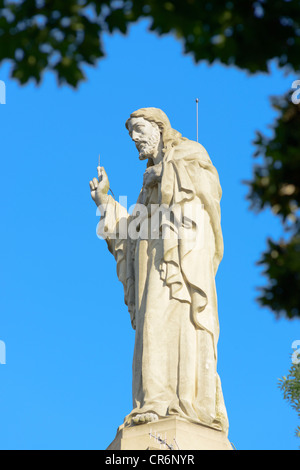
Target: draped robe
point(169, 288)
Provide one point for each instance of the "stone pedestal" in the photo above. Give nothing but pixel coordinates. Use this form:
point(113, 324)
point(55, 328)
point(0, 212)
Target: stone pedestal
point(175, 431)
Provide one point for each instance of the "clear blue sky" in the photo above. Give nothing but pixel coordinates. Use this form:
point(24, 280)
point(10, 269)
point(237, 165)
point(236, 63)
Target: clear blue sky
point(69, 342)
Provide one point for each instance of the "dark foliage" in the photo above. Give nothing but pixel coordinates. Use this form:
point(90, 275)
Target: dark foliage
point(63, 36)
point(276, 185)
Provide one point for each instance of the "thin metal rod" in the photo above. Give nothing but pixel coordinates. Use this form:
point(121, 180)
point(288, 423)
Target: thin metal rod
point(197, 112)
point(109, 188)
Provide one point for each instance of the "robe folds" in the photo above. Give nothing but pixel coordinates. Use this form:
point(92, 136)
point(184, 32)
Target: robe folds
point(168, 272)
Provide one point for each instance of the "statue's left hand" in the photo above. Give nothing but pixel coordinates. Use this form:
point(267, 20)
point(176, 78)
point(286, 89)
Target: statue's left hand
point(152, 175)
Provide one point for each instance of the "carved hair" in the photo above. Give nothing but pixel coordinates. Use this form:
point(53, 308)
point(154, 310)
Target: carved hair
point(170, 136)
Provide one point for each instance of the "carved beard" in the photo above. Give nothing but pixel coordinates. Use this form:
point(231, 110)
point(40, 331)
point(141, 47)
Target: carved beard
point(148, 148)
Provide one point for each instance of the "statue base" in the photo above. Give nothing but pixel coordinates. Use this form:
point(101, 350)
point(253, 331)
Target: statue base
point(172, 433)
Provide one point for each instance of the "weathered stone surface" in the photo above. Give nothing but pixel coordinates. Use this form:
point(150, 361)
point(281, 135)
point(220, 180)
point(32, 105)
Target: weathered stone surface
point(176, 432)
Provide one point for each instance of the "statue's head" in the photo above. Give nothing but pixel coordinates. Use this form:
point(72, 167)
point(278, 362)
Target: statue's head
point(146, 136)
point(150, 127)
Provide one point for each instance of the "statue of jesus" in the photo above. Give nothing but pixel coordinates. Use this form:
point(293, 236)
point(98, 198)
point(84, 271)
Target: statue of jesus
point(168, 273)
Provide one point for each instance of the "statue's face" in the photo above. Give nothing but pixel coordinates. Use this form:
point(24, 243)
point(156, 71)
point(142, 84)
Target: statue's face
point(146, 136)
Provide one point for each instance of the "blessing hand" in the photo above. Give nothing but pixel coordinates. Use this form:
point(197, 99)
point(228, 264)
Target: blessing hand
point(99, 187)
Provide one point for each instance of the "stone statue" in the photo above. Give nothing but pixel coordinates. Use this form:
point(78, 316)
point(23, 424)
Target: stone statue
point(168, 273)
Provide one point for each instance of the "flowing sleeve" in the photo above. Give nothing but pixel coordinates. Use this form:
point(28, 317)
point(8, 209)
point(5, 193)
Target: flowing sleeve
point(113, 229)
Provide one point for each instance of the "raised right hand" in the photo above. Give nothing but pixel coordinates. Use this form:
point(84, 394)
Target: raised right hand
point(99, 187)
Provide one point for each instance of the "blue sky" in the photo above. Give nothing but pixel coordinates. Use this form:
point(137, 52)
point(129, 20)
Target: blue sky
point(69, 342)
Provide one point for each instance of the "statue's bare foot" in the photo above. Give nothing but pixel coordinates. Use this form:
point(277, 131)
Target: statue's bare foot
point(144, 418)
